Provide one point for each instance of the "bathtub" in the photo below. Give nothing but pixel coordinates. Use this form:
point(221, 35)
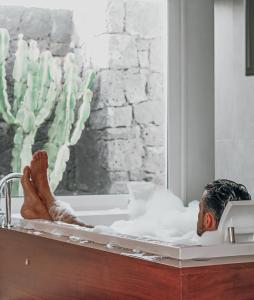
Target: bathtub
point(45, 260)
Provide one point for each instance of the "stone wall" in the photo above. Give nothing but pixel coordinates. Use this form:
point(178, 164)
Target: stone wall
point(125, 135)
point(124, 138)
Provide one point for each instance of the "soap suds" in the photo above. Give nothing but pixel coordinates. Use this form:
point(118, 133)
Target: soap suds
point(159, 215)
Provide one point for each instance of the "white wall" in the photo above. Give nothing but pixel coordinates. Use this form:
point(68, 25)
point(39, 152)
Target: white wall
point(234, 96)
point(200, 95)
point(191, 96)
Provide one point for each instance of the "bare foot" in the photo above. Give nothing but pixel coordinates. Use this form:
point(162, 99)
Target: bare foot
point(32, 208)
point(39, 166)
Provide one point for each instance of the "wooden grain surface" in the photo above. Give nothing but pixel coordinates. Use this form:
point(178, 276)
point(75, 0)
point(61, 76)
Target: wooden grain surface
point(36, 268)
point(222, 282)
point(59, 271)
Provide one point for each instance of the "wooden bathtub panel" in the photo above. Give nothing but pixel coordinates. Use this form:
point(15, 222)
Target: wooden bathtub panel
point(223, 282)
point(59, 271)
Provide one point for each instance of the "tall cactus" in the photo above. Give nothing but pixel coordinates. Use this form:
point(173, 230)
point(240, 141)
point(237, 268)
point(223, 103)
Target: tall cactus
point(37, 88)
point(5, 108)
point(37, 82)
point(62, 134)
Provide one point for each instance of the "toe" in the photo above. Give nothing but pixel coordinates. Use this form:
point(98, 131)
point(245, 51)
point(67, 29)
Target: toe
point(26, 176)
point(36, 155)
point(39, 154)
point(45, 158)
point(44, 154)
point(27, 172)
point(32, 163)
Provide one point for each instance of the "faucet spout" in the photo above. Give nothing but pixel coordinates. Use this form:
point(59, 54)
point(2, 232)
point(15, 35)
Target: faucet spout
point(5, 183)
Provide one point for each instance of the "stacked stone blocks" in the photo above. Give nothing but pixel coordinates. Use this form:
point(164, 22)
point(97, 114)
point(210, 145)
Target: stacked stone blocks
point(128, 119)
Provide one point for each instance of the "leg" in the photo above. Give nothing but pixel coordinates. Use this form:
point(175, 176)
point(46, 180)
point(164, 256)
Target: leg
point(32, 208)
point(39, 166)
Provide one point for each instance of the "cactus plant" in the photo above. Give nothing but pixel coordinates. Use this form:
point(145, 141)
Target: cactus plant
point(40, 83)
point(36, 86)
point(5, 107)
point(62, 134)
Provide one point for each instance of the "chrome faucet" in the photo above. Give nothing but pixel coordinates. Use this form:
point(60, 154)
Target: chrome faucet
point(5, 184)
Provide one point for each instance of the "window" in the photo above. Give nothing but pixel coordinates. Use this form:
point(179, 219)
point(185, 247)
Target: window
point(124, 44)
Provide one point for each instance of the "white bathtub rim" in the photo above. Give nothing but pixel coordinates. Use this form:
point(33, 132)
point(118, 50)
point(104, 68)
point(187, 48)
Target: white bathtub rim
point(163, 249)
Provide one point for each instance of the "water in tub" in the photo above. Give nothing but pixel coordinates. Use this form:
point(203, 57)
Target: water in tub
point(157, 214)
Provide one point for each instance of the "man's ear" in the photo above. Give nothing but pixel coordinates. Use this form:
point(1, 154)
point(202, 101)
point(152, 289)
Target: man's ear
point(209, 222)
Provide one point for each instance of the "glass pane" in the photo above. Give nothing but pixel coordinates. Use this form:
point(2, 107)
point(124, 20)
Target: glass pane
point(95, 63)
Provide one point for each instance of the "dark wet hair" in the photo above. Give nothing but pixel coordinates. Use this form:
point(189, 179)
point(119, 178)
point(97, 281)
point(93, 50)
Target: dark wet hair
point(220, 192)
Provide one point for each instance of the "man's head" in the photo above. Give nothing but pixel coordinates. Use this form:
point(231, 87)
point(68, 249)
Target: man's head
point(214, 200)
